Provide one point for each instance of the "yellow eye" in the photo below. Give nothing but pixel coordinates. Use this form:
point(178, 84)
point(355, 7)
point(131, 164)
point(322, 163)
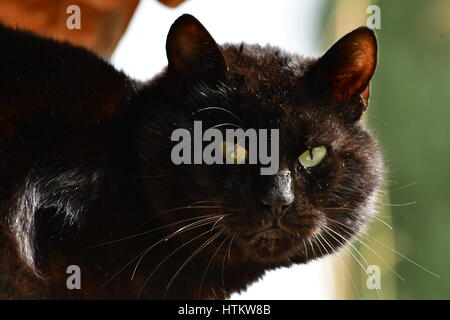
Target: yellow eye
point(234, 153)
point(312, 156)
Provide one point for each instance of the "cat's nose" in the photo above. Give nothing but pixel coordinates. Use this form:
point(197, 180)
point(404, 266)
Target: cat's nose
point(278, 204)
point(280, 195)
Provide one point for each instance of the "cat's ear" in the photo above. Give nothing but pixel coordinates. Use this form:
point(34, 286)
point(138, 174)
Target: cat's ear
point(192, 53)
point(346, 68)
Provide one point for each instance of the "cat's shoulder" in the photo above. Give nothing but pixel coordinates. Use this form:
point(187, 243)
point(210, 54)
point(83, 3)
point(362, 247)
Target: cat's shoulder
point(35, 68)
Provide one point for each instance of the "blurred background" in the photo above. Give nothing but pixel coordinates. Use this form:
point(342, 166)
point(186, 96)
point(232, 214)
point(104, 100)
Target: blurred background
point(409, 112)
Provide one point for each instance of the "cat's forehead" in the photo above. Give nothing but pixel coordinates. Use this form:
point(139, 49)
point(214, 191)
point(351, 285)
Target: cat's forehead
point(266, 66)
point(269, 77)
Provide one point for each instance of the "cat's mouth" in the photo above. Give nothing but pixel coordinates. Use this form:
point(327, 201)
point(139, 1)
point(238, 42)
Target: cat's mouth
point(271, 244)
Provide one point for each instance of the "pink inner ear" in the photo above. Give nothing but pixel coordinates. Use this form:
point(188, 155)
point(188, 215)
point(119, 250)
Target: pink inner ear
point(347, 85)
point(348, 65)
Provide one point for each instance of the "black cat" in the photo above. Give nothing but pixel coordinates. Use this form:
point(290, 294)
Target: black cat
point(87, 178)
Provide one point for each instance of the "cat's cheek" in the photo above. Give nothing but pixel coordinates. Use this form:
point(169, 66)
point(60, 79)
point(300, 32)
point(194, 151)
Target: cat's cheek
point(316, 181)
point(303, 221)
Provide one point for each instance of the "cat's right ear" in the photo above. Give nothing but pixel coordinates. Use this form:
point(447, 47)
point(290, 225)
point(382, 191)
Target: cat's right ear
point(193, 55)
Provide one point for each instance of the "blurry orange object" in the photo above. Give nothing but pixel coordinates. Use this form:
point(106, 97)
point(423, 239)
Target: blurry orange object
point(103, 22)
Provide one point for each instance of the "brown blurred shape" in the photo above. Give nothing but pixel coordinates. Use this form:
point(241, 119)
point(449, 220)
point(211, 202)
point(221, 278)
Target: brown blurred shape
point(171, 3)
point(103, 22)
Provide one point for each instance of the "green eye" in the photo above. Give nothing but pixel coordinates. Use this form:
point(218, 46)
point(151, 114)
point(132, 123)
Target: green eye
point(312, 156)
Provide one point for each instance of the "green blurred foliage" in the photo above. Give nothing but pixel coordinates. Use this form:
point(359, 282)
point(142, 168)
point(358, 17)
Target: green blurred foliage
point(410, 114)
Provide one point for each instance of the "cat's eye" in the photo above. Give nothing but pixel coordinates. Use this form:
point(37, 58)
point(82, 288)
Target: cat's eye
point(234, 153)
point(312, 156)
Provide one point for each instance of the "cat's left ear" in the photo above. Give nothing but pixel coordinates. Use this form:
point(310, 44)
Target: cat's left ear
point(192, 53)
point(346, 68)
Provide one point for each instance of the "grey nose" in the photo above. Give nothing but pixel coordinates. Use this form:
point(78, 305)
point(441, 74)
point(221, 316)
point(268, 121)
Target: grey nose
point(280, 194)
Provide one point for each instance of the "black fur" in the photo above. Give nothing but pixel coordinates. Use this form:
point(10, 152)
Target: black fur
point(86, 176)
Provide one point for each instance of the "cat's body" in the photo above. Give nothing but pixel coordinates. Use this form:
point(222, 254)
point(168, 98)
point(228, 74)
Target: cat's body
point(85, 164)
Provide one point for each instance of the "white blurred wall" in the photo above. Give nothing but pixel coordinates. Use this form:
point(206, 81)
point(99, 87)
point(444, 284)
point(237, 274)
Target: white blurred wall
point(289, 24)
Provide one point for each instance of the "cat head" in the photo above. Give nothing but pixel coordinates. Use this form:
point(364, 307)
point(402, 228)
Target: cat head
point(329, 166)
